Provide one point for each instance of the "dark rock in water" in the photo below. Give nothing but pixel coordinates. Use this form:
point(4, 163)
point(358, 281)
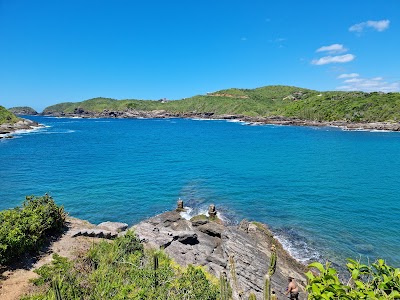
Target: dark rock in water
point(364, 248)
point(212, 212)
point(243, 252)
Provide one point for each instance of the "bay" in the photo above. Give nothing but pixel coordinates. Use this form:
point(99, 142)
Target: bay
point(326, 193)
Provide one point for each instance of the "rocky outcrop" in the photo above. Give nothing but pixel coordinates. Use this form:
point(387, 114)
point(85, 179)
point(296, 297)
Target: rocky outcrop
point(241, 252)
point(107, 230)
point(22, 124)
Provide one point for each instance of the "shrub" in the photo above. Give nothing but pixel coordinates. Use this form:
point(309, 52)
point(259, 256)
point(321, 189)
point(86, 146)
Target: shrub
point(24, 229)
point(121, 269)
point(375, 281)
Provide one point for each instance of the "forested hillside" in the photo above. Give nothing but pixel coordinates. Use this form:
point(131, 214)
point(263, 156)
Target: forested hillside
point(266, 101)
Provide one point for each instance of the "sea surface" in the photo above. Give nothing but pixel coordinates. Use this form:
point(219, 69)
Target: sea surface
point(326, 193)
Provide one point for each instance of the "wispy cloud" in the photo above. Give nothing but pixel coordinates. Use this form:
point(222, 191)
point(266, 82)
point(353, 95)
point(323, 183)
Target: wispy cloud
point(333, 59)
point(279, 42)
point(374, 25)
point(375, 84)
point(348, 75)
point(332, 49)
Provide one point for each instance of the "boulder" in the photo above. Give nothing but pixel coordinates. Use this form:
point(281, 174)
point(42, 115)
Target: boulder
point(113, 226)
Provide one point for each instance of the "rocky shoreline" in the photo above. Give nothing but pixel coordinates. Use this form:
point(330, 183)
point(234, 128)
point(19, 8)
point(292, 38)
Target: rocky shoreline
point(276, 120)
point(242, 252)
point(6, 129)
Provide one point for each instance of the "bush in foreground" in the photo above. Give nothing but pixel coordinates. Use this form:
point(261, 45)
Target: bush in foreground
point(375, 281)
point(24, 229)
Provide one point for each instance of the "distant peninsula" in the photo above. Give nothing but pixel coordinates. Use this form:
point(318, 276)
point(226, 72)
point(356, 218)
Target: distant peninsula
point(23, 110)
point(285, 105)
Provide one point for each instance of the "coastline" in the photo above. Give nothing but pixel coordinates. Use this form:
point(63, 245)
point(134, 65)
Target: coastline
point(7, 129)
point(242, 252)
point(252, 121)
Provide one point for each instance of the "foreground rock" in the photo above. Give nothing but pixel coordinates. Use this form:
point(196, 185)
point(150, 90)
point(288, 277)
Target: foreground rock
point(241, 252)
point(106, 230)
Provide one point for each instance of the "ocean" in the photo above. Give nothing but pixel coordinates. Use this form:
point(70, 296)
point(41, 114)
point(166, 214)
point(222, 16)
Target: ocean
point(326, 193)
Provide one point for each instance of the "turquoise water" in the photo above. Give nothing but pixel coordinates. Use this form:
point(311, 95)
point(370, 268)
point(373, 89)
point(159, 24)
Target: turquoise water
point(326, 193)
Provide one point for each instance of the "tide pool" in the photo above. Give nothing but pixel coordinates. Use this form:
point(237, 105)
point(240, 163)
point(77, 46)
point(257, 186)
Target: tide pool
point(327, 194)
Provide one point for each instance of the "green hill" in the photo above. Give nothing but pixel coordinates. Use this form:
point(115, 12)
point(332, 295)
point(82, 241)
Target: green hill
point(7, 116)
point(286, 101)
point(23, 110)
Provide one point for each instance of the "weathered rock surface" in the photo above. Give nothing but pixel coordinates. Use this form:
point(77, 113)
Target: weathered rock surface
point(22, 124)
point(113, 226)
point(242, 252)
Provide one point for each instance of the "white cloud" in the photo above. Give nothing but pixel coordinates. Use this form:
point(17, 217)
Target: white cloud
point(333, 59)
point(351, 80)
point(375, 25)
point(374, 84)
point(350, 75)
point(332, 49)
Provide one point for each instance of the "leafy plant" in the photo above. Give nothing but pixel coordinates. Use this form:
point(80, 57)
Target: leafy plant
point(25, 228)
point(7, 116)
point(375, 281)
point(109, 271)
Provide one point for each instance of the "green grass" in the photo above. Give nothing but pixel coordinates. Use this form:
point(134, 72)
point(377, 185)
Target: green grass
point(286, 101)
point(7, 116)
point(122, 269)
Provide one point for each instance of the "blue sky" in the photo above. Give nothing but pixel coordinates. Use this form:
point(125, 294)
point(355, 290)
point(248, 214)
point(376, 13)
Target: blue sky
point(58, 51)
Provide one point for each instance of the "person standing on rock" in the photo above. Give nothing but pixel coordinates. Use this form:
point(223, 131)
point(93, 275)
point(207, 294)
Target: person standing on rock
point(293, 289)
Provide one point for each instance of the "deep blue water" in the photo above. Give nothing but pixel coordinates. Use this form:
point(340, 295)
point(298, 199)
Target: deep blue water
point(327, 193)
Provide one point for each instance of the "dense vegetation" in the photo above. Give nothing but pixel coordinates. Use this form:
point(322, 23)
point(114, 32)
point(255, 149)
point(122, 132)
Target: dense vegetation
point(7, 116)
point(122, 269)
point(24, 229)
point(265, 101)
point(375, 281)
point(23, 110)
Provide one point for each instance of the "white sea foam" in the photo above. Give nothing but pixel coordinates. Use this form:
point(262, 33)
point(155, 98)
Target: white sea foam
point(190, 213)
point(26, 131)
point(59, 132)
point(298, 249)
point(186, 214)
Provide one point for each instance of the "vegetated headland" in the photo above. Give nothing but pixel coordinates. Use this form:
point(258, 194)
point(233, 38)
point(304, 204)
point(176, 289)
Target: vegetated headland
point(9, 123)
point(23, 110)
point(283, 105)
